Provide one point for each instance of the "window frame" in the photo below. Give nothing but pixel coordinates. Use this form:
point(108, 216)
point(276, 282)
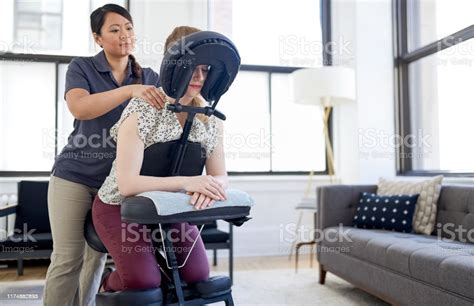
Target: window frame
point(403, 57)
point(64, 59)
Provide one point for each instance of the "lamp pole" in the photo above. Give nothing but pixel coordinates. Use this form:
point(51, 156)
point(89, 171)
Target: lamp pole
point(327, 108)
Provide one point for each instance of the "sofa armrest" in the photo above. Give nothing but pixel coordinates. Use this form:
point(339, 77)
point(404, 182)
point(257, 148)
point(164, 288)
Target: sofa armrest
point(337, 204)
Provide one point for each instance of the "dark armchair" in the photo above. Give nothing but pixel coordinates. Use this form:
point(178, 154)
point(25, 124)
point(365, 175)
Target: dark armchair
point(32, 237)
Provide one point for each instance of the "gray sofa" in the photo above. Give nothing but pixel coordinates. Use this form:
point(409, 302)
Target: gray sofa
point(399, 268)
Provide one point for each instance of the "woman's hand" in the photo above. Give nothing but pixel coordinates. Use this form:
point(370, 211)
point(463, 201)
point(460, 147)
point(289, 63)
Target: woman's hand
point(206, 185)
point(199, 200)
point(149, 93)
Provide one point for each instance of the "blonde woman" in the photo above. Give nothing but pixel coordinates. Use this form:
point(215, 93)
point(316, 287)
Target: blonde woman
point(139, 127)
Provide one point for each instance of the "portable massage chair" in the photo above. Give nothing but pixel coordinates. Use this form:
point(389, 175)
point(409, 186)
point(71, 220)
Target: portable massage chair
point(184, 158)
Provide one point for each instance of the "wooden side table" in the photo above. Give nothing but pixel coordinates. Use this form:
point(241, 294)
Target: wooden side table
point(312, 243)
point(306, 204)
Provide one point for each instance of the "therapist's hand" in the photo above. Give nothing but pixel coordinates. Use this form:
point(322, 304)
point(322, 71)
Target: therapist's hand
point(199, 200)
point(150, 94)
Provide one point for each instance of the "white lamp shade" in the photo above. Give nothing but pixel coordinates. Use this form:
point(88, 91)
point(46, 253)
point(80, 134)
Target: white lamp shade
point(328, 85)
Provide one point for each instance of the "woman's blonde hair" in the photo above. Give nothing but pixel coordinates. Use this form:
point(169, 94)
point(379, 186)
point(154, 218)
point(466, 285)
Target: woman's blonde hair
point(176, 35)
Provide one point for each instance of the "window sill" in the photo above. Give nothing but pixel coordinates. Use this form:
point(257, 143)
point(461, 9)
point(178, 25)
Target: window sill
point(447, 180)
point(16, 179)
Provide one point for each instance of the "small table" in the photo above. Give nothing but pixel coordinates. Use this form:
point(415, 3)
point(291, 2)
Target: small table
point(305, 204)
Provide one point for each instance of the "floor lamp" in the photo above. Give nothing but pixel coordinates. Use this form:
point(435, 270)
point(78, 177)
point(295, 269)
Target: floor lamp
point(327, 87)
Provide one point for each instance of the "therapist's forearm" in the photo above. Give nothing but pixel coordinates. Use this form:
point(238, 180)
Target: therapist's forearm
point(95, 105)
point(134, 185)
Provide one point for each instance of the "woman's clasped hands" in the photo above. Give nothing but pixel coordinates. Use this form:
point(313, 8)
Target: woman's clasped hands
point(205, 191)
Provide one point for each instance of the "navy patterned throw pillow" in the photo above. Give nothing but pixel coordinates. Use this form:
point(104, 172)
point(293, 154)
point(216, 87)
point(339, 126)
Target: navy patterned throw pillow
point(385, 212)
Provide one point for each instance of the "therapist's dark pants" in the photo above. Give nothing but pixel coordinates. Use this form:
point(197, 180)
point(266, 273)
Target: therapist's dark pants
point(133, 252)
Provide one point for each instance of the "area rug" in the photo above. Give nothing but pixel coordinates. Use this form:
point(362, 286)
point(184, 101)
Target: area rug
point(251, 288)
point(285, 287)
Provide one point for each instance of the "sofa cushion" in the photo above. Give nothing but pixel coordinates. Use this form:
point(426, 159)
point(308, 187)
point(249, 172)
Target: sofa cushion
point(445, 264)
point(429, 190)
point(455, 219)
point(435, 261)
point(385, 212)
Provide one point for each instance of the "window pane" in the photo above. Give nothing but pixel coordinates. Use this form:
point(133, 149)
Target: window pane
point(27, 116)
point(31, 21)
point(28, 5)
point(39, 23)
point(65, 118)
point(295, 126)
point(51, 38)
point(442, 105)
point(276, 33)
point(50, 6)
point(247, 136)
point(431, 20)
point(48, 26)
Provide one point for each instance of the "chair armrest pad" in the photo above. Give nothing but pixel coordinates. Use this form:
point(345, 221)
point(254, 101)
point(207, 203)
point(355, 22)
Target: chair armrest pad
point(8, 210)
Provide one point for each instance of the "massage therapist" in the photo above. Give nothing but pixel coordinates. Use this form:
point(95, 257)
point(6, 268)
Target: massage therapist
point(97, 90)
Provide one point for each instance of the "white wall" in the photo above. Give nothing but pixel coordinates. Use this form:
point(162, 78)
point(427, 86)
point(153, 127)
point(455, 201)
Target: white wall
point(366, 26)
point(345, 121)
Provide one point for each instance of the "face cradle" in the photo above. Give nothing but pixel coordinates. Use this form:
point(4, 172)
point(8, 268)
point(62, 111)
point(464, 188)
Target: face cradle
point(197, 81)
point(117, 35)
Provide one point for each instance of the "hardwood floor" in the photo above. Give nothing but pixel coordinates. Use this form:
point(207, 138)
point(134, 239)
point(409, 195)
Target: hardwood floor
point(38, 270)
point(263, 263)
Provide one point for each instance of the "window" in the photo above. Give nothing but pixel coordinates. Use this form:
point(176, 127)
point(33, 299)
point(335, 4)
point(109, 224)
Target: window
point(435, 69)
point(297, 131)
point(273, 33)
point(27, 113)
point(65, 118)
point(247, 146)
point(264, 126)
point(431, 20)
point(56, 27)
point(441, 99)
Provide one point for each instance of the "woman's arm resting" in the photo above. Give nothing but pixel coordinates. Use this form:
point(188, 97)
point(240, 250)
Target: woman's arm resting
point(130, 150)
point(215, 164)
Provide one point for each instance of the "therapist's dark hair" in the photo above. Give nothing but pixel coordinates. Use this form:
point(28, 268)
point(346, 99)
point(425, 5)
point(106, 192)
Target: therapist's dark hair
point(97, 21)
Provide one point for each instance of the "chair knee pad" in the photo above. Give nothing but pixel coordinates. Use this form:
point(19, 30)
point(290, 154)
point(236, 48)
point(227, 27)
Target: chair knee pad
point(148, 297)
